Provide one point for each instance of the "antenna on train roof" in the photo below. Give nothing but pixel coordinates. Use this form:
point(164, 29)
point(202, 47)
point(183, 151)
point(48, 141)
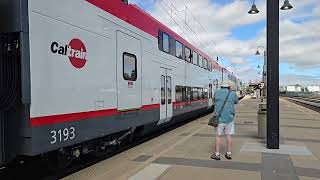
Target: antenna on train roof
point(125, 1)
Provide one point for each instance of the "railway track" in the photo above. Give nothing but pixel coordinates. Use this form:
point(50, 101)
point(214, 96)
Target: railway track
point(312, 103)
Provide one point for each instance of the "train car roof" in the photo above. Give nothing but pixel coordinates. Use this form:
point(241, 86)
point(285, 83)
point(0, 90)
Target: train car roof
point(139, 18)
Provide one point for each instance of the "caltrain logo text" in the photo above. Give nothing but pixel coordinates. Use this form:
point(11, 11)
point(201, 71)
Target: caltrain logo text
point(76, 51)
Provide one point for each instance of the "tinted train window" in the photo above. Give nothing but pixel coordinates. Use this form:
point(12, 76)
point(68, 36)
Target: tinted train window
point(179, 94)
point(169, 89)
point(184, 94)
point(165, 42)
point(200, 61)
point(200, 93)
point(195, 58)
point(205, 93)
point(129, 67)
point(205, 64)
point(210, 66)
point(163, 90)
point(179, 50)
point(188, 54)
point(194, 94)
point(188, 89)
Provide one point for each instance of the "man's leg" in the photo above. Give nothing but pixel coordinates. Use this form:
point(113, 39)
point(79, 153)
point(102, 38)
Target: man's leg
point(217, 144)
point(216, 154)
point(229, 132)
point(229, 143)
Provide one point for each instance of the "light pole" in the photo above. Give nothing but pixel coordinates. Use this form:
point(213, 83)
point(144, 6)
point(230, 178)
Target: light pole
point(272, 69)
point(264, 69)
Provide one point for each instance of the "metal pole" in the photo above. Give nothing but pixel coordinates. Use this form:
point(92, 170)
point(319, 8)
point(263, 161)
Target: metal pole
point(264, 76)
point(273, 74)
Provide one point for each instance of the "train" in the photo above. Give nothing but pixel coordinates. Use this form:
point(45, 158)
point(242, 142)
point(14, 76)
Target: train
point(85, 75)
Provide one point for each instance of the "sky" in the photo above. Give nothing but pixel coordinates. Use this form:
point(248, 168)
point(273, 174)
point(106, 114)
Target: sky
point(224, 28)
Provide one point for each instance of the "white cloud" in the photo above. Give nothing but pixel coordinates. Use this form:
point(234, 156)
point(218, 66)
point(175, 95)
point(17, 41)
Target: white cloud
point(209, 24)
point(299, 30)
point(237, 60)
point(300, 43)
point(246, 73)
point(290, 79)
point(316, 11)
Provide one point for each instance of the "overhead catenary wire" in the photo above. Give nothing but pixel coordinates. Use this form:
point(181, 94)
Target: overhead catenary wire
point(178, 25)
point(170, 11)
point(194, 18)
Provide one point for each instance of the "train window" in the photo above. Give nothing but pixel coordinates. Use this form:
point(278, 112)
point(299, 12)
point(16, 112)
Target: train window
point(179, 49)
point(200, 93)
point(205, 63)
point(210, 66)
point(200, 61)
point(191, 94)
point(163, 90)
point(179, 93)
point(129, 67)
point(187, 52)
point(188, 90)
point(194, 94)
point(195, 58)
point(205, 93)
point(184, 94)
point(165, 42)
point(169, 89)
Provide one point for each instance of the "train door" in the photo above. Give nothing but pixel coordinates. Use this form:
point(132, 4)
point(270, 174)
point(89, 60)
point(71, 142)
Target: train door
point(166, 103)
point(128, 72)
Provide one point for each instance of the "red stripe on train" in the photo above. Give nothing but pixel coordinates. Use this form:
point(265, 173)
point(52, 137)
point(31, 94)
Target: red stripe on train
point(63, 118)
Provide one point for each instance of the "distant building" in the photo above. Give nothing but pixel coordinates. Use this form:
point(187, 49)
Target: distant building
point(294, 88)
point(282, 89)
point(313, 88)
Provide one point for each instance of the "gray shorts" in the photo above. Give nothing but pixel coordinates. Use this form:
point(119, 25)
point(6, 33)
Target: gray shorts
point(225, 128)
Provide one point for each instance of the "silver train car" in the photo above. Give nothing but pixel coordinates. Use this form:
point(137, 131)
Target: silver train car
point(83, 75)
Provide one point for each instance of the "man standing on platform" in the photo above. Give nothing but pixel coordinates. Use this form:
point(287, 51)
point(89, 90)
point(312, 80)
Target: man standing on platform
point(225, 100)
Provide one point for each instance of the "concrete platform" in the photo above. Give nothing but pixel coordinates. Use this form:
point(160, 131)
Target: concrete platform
point(184, 153)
